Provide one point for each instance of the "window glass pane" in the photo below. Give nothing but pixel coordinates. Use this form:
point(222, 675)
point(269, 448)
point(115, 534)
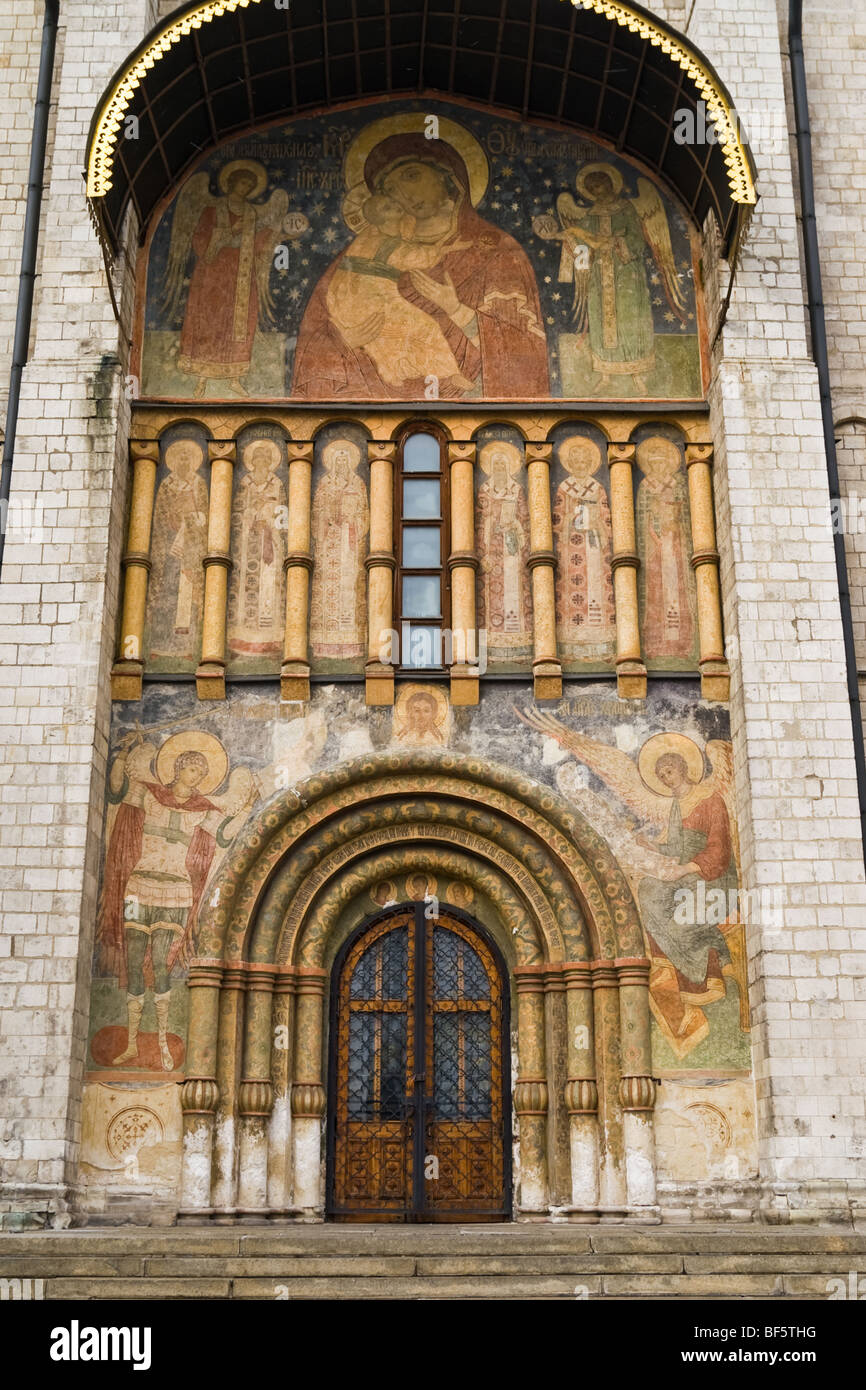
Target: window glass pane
point(421, 498)
point(421, 454)
point(422, 548)
point(421, 596)
point(422, 646)
point(461, 1066)
point(458, 971)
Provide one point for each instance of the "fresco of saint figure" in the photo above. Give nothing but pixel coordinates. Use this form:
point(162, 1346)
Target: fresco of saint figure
point(165, 828)
point(604, 240)
point(232, 239)
point(255, 616)
point(340, 526)
point(502, 528)
point(421, 717)
point(585, 619)
point(668, 600)
point(179, 542)
point(690, 861)
point(428, 288)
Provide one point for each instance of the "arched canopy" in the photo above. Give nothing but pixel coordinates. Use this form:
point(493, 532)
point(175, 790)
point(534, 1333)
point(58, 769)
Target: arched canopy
point(214, 69)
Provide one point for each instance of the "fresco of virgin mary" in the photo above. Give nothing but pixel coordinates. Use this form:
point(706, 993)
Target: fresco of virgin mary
point(427, 288)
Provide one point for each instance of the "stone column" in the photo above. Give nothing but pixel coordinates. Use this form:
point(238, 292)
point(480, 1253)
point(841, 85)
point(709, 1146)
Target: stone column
point(606, 1019)
point(126, 673)
point(308, 1093)
point(630, 669)
point(210, 678)
point(637, 1087)
point(280, 1127)
point(256, 1092)
point(715, 674)
point(463, 565)
point(380, 564)
point(224, 1183)
point(530, 1090)
point(546, 666)
point(295, 673)
point(199, 1093)
point(581, 1090)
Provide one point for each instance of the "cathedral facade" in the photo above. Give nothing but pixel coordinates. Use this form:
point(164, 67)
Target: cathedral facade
point(433, 764)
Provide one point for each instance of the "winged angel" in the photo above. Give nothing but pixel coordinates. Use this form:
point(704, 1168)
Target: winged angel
point(604, 239)
point(683, 861)
point(168, 824)
point(231, 238)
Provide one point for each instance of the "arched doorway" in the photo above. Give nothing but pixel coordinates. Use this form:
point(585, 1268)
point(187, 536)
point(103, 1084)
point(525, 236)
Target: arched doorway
point(419, 1116)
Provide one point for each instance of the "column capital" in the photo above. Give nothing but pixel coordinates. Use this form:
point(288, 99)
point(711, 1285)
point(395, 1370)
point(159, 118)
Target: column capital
point(381, 450)
point(538, 453)
point(142, 449)
point(698, 453)
point(222, 450)
point(302, 452)
point(461, 453)
point(621, 453)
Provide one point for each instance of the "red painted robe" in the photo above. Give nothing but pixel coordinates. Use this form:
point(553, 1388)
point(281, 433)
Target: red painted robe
point(222, 307)
point(124, 853)
point(492, 276)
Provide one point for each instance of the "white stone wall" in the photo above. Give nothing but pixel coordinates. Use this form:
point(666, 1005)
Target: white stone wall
point(791, 724)
point(790, 715)
point(57, 615)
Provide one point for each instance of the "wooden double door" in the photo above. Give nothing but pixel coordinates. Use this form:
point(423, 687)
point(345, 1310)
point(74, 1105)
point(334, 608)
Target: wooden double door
point(418, 1115)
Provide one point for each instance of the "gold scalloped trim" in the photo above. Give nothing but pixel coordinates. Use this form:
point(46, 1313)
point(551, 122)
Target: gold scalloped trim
point(100, 159)
point(719, 112)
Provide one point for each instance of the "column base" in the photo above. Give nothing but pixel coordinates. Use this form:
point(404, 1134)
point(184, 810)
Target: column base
point(631, 680)
point(715, 680)
point(547, 680)
point(379, 684)
point(210, 681)
point(126, 680)
point(294, 681)
point(465, 687)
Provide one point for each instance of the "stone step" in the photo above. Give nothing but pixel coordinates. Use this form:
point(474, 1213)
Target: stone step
point(521, 1261)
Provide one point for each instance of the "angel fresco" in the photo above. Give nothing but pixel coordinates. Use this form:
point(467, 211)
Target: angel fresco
point(232, 240)
point(668, 789)
point(604, 238)
point(167, 826)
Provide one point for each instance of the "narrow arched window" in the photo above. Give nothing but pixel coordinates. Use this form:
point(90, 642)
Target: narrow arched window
point(422, 549)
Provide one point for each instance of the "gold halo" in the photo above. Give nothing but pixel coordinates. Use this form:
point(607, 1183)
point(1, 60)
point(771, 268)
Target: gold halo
point(656, 747)
point(514, 460)
point(331, 448)
point(599, 168)
point(252, 166)
point(271, 444)
point(193, 742)
point(580, 439)
point(411, 123)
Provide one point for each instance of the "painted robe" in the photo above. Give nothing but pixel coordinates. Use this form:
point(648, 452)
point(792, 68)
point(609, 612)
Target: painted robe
point(666, 579)
point(256, 599)
point(618, 304)
point(337, 606)
point(585, 619)
point(504, 594)
point(222, 307)
point(177, 581)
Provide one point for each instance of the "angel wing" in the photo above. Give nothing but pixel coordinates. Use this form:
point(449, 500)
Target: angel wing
point(574, 263)
point(616, 769)
point(720, 755)
point(654, 222)
point(192, 200)
point(271, 214)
